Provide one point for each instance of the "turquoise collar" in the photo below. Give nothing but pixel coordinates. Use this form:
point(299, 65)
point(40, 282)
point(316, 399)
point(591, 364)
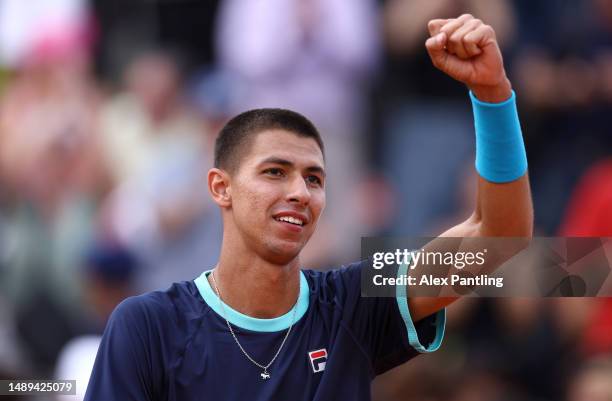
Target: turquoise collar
point(251, 323)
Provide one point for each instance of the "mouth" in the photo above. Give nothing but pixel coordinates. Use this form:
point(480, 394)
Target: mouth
point(292, 221)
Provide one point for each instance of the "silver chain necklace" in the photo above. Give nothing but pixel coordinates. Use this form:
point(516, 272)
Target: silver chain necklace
point(265, 375)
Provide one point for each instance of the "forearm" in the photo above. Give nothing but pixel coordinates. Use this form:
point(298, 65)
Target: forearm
point(502, 208)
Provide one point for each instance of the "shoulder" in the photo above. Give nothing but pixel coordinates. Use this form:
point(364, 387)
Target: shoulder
point(159, 308)
point(335, 284)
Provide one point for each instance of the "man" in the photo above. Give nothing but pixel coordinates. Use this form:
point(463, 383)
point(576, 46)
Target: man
point(257, 327)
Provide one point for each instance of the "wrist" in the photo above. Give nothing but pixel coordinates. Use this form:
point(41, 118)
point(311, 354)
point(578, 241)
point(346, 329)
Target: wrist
point(493, 93)
point(500, 151)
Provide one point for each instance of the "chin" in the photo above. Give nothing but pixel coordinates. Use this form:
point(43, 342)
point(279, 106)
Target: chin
point(284, 252)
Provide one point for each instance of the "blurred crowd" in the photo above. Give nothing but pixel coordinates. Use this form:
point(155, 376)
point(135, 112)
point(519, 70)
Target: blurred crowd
point(108, 115)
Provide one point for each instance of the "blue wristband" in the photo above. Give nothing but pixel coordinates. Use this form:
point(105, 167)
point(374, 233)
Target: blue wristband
point(500, 151)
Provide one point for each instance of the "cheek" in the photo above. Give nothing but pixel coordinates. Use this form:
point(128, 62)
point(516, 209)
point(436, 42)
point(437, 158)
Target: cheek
point(318, 203)
point(252, 204)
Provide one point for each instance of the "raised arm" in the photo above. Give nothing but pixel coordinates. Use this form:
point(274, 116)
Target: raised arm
point(466, 49)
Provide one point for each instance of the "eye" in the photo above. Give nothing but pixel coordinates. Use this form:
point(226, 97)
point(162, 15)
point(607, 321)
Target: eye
point(274, 171)
point(313, 179)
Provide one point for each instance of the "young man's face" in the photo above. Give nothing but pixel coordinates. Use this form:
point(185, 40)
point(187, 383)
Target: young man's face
point(278, 194)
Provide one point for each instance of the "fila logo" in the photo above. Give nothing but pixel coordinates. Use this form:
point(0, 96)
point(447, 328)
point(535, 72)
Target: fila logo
point(318, 359)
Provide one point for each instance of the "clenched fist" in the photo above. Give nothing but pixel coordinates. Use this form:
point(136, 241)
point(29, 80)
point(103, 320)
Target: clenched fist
point(466, 49)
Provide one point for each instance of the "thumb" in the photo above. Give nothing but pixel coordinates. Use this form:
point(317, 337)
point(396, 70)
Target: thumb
point(436, 47)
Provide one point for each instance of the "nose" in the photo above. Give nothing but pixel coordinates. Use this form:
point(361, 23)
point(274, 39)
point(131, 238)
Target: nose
point(298, 191)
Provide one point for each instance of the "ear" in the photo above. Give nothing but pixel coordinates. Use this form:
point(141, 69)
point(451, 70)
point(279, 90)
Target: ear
point(219, 187)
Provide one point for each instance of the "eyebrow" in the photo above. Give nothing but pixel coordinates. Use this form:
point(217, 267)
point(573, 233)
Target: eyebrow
point(287, 163)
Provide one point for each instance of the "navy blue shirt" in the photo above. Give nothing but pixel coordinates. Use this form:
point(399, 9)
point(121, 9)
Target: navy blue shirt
point(175, 345)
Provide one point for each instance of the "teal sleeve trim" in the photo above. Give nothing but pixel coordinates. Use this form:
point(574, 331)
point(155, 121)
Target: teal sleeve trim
point(413, 337)
point(500, 151)
point(251, 323)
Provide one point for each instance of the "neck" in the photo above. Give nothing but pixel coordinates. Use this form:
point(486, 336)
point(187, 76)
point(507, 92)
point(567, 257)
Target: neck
point(255, 287)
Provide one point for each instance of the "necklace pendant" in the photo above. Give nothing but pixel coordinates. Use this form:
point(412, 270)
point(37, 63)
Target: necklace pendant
point(265, 375)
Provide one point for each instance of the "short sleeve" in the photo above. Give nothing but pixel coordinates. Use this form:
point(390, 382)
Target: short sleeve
point(426, 336)
point(383, 325)
point(123, 369)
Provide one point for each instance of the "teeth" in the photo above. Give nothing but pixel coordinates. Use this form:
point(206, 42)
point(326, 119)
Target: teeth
point(291, 220)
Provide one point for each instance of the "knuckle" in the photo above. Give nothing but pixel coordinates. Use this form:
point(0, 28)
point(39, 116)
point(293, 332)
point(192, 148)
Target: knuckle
point(469, 39)
point(467, 16)
point(456, 38)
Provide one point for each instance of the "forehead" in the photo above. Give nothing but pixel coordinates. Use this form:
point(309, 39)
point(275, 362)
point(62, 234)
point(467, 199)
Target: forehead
point(285, 145)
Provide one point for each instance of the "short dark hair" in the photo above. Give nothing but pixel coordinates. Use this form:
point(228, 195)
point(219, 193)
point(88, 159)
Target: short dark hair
point(237, 135)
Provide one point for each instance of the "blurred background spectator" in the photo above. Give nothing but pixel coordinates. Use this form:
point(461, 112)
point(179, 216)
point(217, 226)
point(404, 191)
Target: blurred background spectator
point(561, 68)
point(592, 382)
point(108, 275)
point(108, 114)
point(51, 173)
point(158, 149)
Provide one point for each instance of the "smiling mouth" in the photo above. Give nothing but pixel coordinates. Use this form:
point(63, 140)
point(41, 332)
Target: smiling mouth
point(291, 220)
